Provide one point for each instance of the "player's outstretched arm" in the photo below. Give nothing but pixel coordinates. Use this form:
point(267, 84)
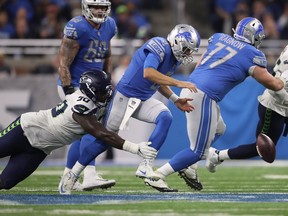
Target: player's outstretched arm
point(90, 125)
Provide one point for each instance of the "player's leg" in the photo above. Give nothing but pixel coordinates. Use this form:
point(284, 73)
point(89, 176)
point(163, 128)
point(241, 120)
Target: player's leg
point(90, 148)
point(270, 123)
point(201, 128)
point(24, 159)
point(153, 111)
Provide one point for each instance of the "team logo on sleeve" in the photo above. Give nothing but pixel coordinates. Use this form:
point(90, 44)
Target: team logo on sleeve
point(157, 48)
point(81, 109)
point(70, 31)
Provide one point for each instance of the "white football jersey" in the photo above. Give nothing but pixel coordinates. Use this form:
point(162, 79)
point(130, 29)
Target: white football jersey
point(51, 129)
point(273, 103)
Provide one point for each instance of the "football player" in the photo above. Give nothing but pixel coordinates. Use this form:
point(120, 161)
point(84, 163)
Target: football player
point(150, 70)
point(272, 112)
point(86, 45)
point(32, 136)
point(226, 62)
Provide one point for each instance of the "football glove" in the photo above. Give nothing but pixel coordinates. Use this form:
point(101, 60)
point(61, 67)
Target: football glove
point(145, 151)
point(69, 89)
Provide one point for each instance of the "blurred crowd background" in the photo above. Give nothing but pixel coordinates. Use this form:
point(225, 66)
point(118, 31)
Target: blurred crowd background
point(136, 20)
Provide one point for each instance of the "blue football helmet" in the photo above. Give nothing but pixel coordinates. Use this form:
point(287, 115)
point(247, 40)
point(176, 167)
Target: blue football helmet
point(98, 16)
point(184, 41)
point(250, 30)
point(97, 86)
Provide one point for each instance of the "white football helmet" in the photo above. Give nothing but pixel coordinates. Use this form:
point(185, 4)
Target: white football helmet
point(282, 62)
point(97, 16)
point(249, 30)
point(184, 40)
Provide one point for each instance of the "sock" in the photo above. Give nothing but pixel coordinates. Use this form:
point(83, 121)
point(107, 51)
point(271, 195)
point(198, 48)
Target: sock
point(89, 171)
point(223, 155)
point(66, 170)
point(165, 170)
point(77, 168)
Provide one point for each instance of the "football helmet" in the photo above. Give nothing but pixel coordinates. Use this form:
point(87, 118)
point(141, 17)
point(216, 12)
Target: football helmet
point(249, 30)
point(282, 62)
point(96, 15)
point(97, 86)
point(184, 41)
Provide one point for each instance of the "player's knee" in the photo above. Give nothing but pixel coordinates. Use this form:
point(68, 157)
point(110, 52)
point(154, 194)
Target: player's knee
point(165, 118)
point(221, 128)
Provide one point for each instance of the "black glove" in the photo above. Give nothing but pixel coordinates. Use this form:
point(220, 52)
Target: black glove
point(68, 89)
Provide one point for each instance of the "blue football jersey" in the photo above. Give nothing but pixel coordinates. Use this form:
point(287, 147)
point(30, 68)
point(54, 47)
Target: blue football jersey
point(226, 63)
point(94, 45)
point(133, 83)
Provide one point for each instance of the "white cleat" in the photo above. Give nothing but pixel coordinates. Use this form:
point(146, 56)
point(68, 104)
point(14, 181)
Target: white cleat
point(96, 182)
point(145, 169)
point(212, 160)
point(77, 186)
point(159, 184)
point(67, 183)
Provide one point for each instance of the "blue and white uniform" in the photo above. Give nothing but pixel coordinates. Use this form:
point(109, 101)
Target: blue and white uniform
point(94, 45)
point(155, 53)
point(226, 63)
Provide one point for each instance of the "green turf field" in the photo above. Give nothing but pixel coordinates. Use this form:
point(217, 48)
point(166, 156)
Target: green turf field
point(229, 191)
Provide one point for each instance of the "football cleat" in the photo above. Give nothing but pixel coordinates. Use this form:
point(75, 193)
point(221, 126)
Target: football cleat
point(77, 186)
point(67, 182)
point(212, 160)
point(145, 169)
point(159, 184)
point(190, 177)
point(96, 182)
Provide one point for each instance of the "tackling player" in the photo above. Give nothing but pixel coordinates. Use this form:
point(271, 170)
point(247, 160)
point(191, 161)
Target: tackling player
point(227, 62)
point(86, 46)
point(32, 136)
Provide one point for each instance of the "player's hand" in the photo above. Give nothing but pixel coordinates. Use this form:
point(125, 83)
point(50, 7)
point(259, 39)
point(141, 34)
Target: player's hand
point(69, 89)
point(183, 105)
point(191, 86)
point(145, 151)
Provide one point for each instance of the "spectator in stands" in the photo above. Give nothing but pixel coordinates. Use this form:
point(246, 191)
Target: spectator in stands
point(6, 29)
point(221, 17)
point(51, 26)
point(13, 6)
point(262, 13)
point(242, 10)
point(5, 69)
point(283, 23)
point(127, 27)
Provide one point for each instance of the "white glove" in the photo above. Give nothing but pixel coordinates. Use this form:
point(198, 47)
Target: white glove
point(146, 151)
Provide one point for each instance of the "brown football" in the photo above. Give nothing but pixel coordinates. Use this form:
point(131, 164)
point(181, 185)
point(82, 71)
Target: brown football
point(266, 148)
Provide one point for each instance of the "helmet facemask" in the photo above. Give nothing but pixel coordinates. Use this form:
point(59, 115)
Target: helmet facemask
point(184, 41)
point(96, 11)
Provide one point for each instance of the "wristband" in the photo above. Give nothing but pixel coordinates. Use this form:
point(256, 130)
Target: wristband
point(173, 98)
point(130, 147)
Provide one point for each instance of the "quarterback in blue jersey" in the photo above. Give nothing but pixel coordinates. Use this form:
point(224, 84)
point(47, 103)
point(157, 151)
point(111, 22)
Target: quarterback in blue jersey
point(86, 46)
point(226, 63)
point(150, 70)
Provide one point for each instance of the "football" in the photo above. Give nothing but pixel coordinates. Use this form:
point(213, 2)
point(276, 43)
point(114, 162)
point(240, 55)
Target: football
point(266, 148)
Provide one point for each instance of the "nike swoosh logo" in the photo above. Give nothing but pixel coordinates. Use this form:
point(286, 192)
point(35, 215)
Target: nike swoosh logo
point(143, 172)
